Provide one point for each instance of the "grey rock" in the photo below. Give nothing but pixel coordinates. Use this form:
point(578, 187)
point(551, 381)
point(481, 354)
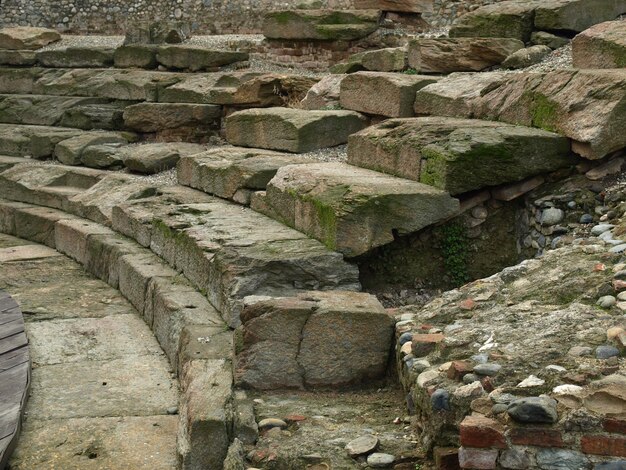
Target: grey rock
point(617, 465)
point(440, 400)
point(270, 423)
point(599, 229)
point(578, 351)
point(487, 369)
point(362, 445)
point(618, 248)
point(526, 57)
point(559, 459)
point(534, 410)
point(606, 352)
point(548, 39)
point(586, 219)
point(515, 459)
point(606, 301)
point(380, 460)
point(405, 338)
point(552, 216)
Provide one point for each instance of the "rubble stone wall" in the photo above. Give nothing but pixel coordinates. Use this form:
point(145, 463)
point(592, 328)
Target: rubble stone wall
point(206, 16)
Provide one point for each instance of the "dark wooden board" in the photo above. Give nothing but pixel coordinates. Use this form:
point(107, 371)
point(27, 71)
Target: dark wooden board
point(15, 376)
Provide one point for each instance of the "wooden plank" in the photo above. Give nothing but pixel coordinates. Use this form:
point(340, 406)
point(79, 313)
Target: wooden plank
point(14, 358)
point(9, 317)
point(13, 342)
point(7, 304)
point(9, 420)
point(11, 329)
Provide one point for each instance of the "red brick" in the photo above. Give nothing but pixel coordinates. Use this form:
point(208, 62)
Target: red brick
point(539, 437)
point(604, 445)
point(446, 458)
point(425, 344)
point(617, 426)
point(459, 369)
point(480, 431)
point(477, 459)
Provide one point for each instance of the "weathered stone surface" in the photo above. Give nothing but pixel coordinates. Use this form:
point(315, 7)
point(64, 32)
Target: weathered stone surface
point(40, 110)
point(231, 172)
point(153, 117)
point(542, 38)
point(103, 156)
point(390, 59)
point(22, 57)
point(75, 57)
point(324, 94)
point(509, 19)
point(585, 105)
point(140, 56)
point(273, 89)
point(25, 37)
point(156, 32)
point(576, 15)
point(403, 6)
point(106, 116)
point(197, 58)
point(231, 252)
point(35, 141)
point(526, 57)
point(69, 151)
point(214, 88)
point(602, 46)
point(534, 410)
point(314, 340)
point(154, 158)
point(350, 209)
point(458, 155)
point(320, 25)
point(444, 55)
point(292, 130)
point(382, 93)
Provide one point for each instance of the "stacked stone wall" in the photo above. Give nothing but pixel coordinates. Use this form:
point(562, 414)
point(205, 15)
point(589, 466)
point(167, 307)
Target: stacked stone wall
point(206, 16)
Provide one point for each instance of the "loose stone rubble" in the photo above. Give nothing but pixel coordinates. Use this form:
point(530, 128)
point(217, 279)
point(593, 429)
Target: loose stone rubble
point(272, 205)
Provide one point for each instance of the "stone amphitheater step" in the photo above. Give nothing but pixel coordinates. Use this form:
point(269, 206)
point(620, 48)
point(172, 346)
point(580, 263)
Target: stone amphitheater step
point(292, 130)
point(42, 141)
point(233, 173)
point(188, 328)
point(64, 111)
point(97, 370)
point(588, 106)
point(350, 209)
point(227, 251)
point(382, 93)
point(458, 155)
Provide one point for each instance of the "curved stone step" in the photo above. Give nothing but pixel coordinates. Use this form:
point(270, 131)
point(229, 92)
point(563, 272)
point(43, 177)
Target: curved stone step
point(350, 209)
point(15, 372)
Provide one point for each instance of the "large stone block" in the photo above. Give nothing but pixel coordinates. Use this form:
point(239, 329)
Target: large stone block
point(39, 109)
point(576, 15)
point(292, 130)
point(154, 117)
point(214, 88)
point(602, 46)
point(509, 19)
point(137, 55)
point(196, 58)
point(445, 55)
point(233, 172)
point(350, 209)
point(154, 158)
point(382, 93)
point(320, 25)
point(458, 155)
point(75, 57)
point(402, 6)
point(69, 151)
point(588, 106)
point(390, 59)
point(317, 339)
point(25, 37)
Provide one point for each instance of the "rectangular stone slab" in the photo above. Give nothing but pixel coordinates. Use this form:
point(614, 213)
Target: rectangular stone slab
point(602, 46)
point(317, 339)
point(233, 172)
point(76, 57)
point(445, 55)
point(153, 117)
point(213, 88)
point(350, 209)
point(291, 130)
point(402, 6)
point(585, 105)
point(197, 58)
point(458, 155)
point(382, 93)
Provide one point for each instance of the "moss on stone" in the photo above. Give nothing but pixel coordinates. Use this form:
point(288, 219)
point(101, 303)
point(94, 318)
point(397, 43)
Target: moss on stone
point(544, 113)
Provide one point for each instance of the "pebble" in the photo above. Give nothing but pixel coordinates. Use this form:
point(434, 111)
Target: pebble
point(420, 365)
point(606, 352)
point(270, 423)
point(552, 216)
point(499, 408)
point(379, 460)
point(556, 368)
point(362, 446)
point(440, 400)
point(606, 301)
point(534, 410)
point(480, 358)
point(426, 377)
point(173, 410)
point(621, 248)
point(470, 378)
point(568, 389)
point(620, 275)
point(579, 351)
point(586, 219)
point(599, 229)
point(472, 390)
point(531, 381)
point(621, 296)
point(490, 369)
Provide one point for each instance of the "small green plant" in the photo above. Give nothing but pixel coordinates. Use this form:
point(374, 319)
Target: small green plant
point(410, 72)
point(418, 466)
point(454, 248)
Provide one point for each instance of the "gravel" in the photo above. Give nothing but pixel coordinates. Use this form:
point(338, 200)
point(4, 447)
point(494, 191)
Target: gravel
point(68, 40)
point(559, 59)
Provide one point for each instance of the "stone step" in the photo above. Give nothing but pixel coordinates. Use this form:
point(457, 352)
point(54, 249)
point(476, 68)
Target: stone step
point(458, 155)
point(9, 162)
point(233, 173)
point(382, 93)
point(518, 19)
point(445, 55)
point(41, 142)
point(602, 46)
point(320, 25)
point(227, 251)
point(64, 111)
point(585, 105)
point(350, 209)
point(292, 130)
point(401, 6)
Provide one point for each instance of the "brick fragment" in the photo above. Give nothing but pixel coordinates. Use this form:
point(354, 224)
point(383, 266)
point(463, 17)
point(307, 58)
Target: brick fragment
point(480, 431)
point(533, 436)
point(604, 445)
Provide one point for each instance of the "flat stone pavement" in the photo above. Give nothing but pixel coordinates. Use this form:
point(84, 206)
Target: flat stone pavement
point(101, 385)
